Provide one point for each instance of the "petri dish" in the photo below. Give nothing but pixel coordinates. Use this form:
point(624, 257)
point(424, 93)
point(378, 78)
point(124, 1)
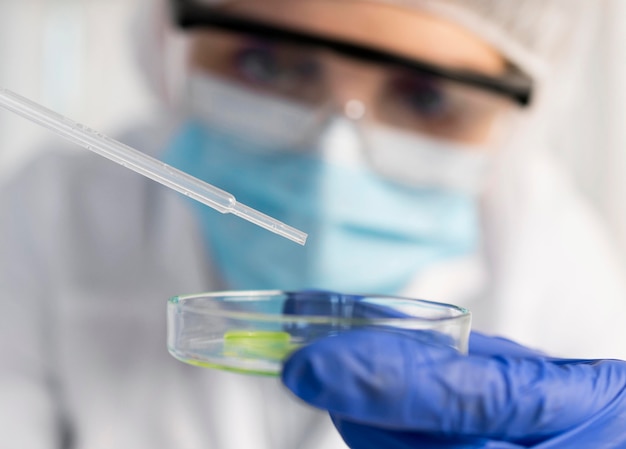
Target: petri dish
point(254, 331)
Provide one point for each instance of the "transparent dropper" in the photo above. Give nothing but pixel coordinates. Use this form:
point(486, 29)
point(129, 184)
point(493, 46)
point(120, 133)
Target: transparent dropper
point(143, 164)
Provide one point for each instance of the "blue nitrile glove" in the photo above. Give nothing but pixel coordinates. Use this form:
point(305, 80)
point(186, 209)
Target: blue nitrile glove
point(389, 391)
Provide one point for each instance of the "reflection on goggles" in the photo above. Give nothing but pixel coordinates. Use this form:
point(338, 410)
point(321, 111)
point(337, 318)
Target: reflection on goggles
point(393, 95)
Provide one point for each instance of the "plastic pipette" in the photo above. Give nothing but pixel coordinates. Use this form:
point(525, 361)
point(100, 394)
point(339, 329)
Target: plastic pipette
point(143, 164)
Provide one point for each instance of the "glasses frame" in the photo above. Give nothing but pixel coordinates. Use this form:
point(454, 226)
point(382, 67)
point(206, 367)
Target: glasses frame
point(191, 14)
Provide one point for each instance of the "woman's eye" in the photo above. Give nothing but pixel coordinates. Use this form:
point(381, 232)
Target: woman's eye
point(258, 65)
point(422, 96)
point(308, 69)
point(284, 68)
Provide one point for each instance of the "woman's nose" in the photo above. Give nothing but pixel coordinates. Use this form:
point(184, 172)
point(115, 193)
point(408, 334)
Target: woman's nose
point(353, 87)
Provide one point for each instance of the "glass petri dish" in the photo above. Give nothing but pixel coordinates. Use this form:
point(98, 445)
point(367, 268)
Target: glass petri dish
point(254, 331)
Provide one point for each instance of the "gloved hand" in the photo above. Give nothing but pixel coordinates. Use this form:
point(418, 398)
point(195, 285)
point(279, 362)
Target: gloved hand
point(388, 391)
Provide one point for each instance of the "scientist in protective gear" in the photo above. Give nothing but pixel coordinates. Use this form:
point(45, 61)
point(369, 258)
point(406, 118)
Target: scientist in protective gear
point(407, 138)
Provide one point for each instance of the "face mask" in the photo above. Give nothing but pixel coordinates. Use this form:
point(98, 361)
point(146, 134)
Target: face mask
point(366, 233)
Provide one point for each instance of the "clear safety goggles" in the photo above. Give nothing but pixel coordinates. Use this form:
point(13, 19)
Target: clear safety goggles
point(378, 86)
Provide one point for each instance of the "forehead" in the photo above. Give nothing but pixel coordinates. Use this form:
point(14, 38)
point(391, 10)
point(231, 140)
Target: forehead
point(404, 31)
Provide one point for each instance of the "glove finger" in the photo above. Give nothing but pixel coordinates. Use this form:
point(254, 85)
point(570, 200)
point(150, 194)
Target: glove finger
point(359, 436)
point(327, 303)
point(489, 346)
point(484, 345)
point(388, 380)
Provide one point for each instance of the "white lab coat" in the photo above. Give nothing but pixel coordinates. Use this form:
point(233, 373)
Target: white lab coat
point(91, 252)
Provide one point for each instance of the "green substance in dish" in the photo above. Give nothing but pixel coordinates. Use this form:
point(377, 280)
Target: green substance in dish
point(262, 351)
point(229, 368)
point(268, 345)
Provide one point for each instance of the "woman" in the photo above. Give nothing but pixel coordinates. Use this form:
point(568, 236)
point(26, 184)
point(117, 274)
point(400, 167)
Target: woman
point(404, 138)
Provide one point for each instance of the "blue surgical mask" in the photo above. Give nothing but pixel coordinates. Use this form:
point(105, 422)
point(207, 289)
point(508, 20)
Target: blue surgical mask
point(366, 233)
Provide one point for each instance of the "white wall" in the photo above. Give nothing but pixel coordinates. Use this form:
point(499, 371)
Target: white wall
point(73, 56)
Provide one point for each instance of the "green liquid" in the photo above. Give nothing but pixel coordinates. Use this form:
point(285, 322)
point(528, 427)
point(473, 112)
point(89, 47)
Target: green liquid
point(229, 368)
point(267, 346)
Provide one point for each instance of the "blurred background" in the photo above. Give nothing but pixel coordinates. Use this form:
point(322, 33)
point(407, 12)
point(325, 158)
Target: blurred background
point(74, 57)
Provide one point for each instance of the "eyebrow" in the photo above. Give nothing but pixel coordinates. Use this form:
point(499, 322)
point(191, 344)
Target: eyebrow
point(190, 14)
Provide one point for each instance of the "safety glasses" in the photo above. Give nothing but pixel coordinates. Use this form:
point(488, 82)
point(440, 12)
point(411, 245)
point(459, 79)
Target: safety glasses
point(400, 92)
